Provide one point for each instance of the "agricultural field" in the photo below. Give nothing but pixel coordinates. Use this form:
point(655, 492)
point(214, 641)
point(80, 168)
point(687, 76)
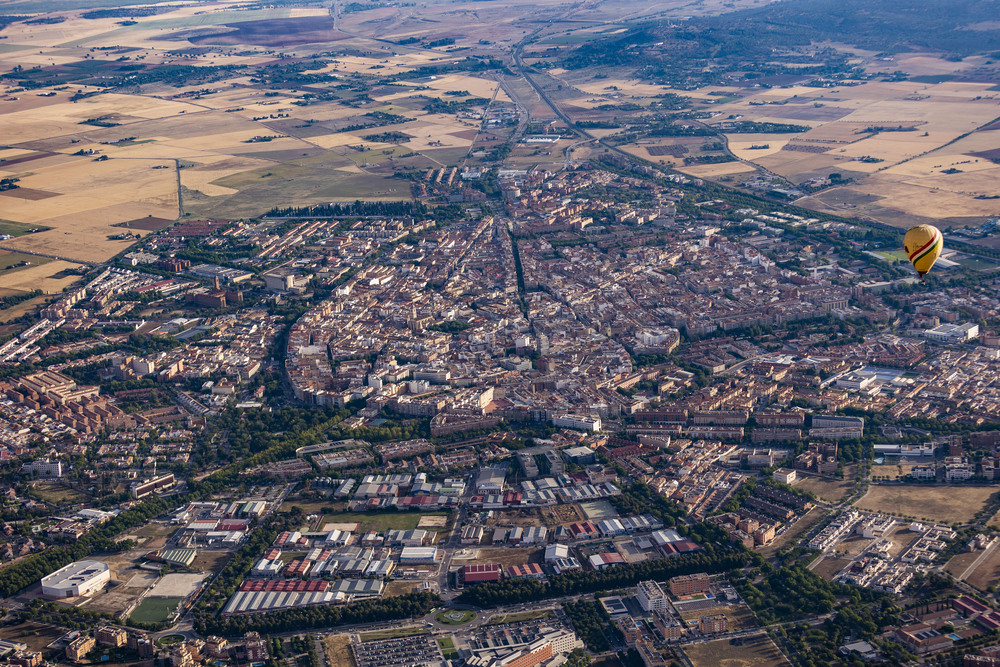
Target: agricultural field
point(220, 129)
point(901, 151)
point(49, 276)
point(901, 143)
point(758, 651)
point(10, 262)
point(947, 504)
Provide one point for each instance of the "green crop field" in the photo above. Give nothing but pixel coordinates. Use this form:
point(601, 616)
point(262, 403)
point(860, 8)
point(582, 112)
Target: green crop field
point(19, 228)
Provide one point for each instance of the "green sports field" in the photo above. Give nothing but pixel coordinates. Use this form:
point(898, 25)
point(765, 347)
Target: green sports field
point(154, 610)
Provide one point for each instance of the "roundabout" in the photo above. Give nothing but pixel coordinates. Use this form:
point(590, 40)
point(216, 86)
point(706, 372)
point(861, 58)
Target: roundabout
point(170, 639)
point(455, 616)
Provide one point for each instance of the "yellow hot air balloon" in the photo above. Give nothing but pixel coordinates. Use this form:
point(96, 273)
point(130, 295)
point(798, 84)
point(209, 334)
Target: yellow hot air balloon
point(923, 245)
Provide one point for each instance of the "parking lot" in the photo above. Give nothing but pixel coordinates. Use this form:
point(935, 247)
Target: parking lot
point(402, 652)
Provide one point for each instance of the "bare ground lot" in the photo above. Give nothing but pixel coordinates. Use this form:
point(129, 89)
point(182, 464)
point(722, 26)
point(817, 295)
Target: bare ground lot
point(35, 635)
point(508, 557)
point(117, 599)
point(382, 522)
point(740, 616)
point(757, 651)
point(988, 572)
point(177, 585)
point(948, 504)
point(396, 588)
point(892, 470)
point(57, 494)
point(523, 517)
point(853, 546)
point(901, 539)
point(829, 488)
point(338, 650)
point(561, 514)
point(790, 536)
point(829, 567)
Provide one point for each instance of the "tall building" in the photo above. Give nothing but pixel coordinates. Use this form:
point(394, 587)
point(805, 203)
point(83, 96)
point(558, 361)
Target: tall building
point(713, 624)
point(690, 584)
point(542, 346)
point(110, 635)
point(79, 648)
point(651, 596)
point(44, 468)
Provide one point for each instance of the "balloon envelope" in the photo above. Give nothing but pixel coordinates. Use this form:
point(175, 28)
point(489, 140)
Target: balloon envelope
point(923, 245)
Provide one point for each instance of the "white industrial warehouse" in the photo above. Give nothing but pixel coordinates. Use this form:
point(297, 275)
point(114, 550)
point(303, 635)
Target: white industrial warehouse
point(80, 578)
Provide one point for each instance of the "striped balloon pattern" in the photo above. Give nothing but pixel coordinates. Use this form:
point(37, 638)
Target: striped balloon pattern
point(923, 245)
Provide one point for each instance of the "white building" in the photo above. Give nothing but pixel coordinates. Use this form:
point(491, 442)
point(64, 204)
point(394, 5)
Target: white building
point(554, 552)
point(417, 555)
point(579, 422)
point(44, 468)
point(268, 568)
point(856, 381)
point(952, 333)
point(958, 472)
point(651, 596)
point(80, 578)
point(785, 475)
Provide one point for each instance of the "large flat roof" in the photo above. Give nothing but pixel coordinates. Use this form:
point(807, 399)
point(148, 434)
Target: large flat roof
point(75, 573)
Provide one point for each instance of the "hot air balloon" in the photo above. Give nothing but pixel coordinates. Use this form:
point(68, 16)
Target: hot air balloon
point(923, 245)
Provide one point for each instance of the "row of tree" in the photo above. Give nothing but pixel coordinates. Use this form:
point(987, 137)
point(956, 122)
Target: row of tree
point(321, 616)
point(518, 590)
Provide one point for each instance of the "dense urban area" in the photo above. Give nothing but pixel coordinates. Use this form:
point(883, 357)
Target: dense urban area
point(535, 399)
